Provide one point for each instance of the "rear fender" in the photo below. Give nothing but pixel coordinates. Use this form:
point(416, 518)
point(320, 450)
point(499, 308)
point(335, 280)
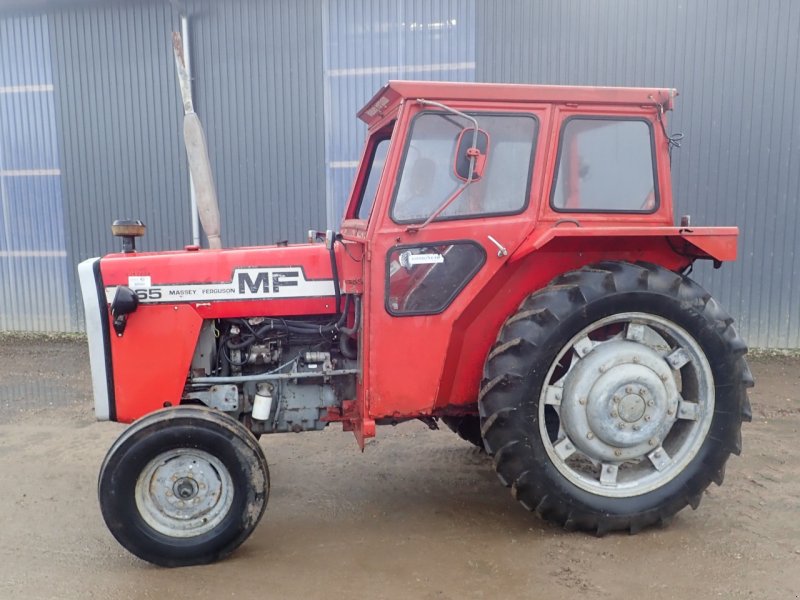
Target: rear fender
point(537, 262)
point(685, 244)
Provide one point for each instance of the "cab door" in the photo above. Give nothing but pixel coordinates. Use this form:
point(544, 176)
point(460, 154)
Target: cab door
point(420, 278)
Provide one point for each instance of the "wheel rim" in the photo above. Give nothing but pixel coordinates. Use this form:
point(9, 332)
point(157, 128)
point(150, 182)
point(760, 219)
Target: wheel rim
point(626, 405)
point(184, 492)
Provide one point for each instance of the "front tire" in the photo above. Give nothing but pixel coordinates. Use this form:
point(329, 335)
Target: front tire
point(183, 486)
point(614, 396)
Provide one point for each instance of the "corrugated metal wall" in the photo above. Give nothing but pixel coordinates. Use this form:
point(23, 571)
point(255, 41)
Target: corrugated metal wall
point(258, 79)
point(33, 258)
point(737, 68)
point(257, 70)
point(369, 42)
point(277, 84)
point(118, 123)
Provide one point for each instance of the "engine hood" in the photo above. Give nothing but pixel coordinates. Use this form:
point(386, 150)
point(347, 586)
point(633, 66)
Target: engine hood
point(230, 275)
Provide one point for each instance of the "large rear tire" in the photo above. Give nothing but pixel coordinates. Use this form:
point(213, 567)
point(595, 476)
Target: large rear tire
point(614, 396)
point(183, 486)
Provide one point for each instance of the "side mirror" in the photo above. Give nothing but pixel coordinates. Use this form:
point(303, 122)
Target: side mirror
point(124, 303)
point(465, 152)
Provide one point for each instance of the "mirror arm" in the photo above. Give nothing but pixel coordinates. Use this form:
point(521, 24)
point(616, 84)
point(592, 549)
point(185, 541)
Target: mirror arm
point(463, 115)
point(442, 207)
point(472, 158)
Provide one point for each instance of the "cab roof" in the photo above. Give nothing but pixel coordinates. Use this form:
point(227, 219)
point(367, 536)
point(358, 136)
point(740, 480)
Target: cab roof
point(395, 91)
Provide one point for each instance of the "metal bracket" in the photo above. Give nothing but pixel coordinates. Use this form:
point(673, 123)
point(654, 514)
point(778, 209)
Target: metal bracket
point(221, 397)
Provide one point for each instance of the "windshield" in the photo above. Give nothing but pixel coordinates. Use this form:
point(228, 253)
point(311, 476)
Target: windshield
point(428, 178)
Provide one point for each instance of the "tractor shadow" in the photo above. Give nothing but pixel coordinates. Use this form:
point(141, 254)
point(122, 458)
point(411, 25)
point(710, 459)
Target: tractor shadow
point(410, 479)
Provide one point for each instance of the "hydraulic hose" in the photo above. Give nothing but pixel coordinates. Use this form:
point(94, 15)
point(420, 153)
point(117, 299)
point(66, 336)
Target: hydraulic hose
point(348, 333)
point(335, 273)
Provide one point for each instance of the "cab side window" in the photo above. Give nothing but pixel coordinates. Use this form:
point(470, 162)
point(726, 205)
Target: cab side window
point(377, 161)
point(605, 165)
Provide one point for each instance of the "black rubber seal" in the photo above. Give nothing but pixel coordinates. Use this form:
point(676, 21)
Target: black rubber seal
point(101, 299)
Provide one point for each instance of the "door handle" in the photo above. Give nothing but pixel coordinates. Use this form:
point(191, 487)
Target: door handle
point(501, 250)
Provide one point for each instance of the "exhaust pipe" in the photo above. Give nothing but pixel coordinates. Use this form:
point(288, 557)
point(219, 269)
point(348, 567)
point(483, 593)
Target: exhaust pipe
point(197, 153)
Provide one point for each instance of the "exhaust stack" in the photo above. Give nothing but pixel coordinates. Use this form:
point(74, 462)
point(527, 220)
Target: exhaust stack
point(197, 153)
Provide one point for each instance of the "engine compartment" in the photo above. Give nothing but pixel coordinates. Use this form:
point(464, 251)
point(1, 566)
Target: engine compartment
point(276, 374)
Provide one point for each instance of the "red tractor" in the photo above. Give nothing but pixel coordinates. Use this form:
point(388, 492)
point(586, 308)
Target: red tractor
point(507, 264)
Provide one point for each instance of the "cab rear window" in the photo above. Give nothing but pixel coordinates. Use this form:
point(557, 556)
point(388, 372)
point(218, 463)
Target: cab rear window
point(605, 165)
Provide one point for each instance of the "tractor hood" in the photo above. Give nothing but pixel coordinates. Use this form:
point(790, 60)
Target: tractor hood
point(168, 295)
point(207, 277)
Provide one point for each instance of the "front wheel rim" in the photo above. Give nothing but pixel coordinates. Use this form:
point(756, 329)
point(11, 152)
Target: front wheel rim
point(184, 492)
point(626, 405)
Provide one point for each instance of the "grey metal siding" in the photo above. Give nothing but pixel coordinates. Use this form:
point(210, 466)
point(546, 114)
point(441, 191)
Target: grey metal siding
point(277, 84)
point(33, 260)
point(118, 117)
point(736, 66)
point(368, 42)
point(257, 69)
point(258, 80)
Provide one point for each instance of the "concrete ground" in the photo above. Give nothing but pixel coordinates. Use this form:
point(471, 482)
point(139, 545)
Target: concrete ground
point(420, 514)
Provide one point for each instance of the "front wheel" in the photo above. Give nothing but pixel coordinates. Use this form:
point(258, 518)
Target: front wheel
point(183, 486)
point(614, 397)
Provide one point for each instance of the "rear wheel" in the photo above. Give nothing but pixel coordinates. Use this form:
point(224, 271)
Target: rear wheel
point(183, 486)
point(614, 397)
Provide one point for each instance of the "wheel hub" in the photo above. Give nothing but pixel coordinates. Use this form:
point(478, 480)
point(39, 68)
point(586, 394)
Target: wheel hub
point(620, 401)
point(185, 488)
point(184, 492)
point(631, 408)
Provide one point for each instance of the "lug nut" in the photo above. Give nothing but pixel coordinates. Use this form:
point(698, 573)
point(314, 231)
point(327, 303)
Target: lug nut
point(590, 436)
point(670, 412)
point(636, 359)
point(636, 428)
point(582, 401)
point(650, 403)
point(617, 452)
point(647, 417)
point(621, 425)
point(629, 390)
point(613, 414)
point(653, 441)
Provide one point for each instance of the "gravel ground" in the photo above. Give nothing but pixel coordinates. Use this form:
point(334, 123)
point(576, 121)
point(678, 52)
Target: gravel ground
point(420, 514)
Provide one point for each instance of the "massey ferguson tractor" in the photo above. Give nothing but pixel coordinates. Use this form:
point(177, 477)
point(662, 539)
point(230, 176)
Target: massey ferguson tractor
point(507, 265)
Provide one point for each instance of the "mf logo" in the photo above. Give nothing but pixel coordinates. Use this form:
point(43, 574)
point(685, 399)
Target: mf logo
point(267, 281)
